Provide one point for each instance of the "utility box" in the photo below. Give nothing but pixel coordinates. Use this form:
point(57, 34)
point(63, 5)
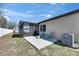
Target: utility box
point(68, 39)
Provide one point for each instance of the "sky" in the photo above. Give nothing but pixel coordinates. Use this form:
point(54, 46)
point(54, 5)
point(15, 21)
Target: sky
point(35, 12)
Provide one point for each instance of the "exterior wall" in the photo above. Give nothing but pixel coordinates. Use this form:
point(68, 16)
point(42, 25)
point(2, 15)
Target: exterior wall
point(66, 24)
point(28, 29)
point(20, 29)
point(31, 29)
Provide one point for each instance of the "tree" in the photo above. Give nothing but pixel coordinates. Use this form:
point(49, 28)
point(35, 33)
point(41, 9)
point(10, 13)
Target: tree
point(11, 25)
point(3, 22)
point(6, 24)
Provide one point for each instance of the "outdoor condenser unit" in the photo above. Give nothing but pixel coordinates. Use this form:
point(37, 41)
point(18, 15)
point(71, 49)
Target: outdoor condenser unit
point(68, 39)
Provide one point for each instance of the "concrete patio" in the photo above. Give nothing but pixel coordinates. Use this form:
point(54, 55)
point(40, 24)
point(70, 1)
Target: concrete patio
point(38, 43)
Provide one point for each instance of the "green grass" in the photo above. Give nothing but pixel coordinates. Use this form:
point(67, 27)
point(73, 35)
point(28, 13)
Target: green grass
point(17, 46)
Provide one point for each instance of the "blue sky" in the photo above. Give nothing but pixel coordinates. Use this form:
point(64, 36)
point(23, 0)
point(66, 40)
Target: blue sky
point(35, 12)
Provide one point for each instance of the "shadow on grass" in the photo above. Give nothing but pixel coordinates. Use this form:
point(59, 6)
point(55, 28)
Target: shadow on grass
point(16, 35)
point(59, 42)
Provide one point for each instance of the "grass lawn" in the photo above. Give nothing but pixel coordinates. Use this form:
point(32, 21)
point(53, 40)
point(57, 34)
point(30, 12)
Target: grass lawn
point(17, 46)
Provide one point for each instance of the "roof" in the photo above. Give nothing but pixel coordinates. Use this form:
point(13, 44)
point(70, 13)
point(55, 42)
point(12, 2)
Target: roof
point(27, 22)
point(21, 22)
point(66, 14)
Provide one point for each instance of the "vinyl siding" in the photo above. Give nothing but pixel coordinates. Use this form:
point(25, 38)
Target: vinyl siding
point(66, 24)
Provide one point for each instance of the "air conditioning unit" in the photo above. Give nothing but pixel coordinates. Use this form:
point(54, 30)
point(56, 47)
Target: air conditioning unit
point(68, 39)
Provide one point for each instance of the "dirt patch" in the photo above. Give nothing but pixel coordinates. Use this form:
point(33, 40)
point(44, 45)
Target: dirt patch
point(5, 44)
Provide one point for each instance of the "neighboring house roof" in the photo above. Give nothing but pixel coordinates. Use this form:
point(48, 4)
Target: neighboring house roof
point(66, 14)
point(21, 22)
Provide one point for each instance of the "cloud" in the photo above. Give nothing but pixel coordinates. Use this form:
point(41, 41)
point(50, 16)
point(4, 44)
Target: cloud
point(49, 15)
point(13, 13)
point(53, 3)
point(58, 6)
point(46, 15)
point(55, 6)
point(7, 18)
point(28, 12)
point(58, 3)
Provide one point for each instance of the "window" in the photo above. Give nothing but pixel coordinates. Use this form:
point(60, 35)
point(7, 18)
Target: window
point(43, 28)
point(26, 28)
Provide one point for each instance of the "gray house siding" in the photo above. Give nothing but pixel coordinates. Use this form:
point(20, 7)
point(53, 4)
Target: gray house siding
point(26, 28)
point(64, 24)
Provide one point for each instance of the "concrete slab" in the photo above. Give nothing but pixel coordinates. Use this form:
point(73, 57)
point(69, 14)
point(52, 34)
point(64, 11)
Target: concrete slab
point(4, 31)
point(38, 43)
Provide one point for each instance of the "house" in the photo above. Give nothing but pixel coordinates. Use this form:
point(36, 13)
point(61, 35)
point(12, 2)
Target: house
point(27, 28)
point(65, 23)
